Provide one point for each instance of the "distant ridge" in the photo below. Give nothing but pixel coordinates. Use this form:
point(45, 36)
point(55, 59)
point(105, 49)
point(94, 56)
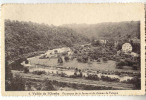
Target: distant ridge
point(114, 30)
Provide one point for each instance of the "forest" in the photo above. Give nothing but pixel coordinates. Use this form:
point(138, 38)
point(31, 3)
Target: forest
point(25, 37)
point(108, 30)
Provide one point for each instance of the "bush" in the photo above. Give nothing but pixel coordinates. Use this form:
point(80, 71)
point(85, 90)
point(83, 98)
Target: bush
point(129, 62)
point(121, 63)
point(104, 59)
point(66, 58)
point(26, 61)
point(39, 72)
point(83, 59)
point(92, 77)
point(60, 60)
point(62, 74)
point(26, 70)
point(120, 67)
point(109, 79)
point(134, 67)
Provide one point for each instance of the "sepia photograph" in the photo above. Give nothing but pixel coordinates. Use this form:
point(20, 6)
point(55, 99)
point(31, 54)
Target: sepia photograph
point(73, 48)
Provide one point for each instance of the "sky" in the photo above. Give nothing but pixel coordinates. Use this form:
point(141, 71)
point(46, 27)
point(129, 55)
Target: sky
point(58, 14)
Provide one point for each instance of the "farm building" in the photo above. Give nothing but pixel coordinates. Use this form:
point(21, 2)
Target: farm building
point(127, 47)
point(103, 41)
point(134, 54)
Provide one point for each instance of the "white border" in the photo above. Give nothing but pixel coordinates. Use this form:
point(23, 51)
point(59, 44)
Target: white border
point(72, 1)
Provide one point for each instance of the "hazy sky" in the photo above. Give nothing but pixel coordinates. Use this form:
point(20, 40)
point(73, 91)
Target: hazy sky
point(58, 14)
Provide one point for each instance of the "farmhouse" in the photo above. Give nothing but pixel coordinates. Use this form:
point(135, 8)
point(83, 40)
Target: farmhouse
point(134, 54)
point(103, 41)
point(126, 48)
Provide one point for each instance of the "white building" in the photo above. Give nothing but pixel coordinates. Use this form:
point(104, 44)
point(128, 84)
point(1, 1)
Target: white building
point(127, 47)
point(103, 41)
point(134, 54)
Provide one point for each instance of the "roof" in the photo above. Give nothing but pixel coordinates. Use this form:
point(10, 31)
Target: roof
point(135, 40)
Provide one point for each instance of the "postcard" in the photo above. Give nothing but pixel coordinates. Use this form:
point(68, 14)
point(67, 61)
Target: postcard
point(73, 49)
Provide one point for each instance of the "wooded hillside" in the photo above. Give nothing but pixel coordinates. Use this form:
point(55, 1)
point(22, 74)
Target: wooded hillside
point(116, 30)
point(26, 37)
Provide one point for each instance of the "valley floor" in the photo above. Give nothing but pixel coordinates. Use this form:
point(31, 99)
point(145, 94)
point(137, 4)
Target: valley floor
point(78, 81)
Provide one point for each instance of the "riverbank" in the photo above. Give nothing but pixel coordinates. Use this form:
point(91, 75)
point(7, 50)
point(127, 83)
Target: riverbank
point(96, 85)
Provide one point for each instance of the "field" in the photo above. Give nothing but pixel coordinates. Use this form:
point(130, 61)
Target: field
point(102, 66)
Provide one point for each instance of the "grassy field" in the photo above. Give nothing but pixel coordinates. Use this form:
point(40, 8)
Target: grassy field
point(108, 66)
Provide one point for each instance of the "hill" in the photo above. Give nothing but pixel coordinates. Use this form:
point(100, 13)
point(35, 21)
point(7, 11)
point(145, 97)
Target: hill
point(25, 37)
point(109, 30)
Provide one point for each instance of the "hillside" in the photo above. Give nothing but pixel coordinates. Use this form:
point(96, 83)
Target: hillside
point(26, 37)
point(117, 30)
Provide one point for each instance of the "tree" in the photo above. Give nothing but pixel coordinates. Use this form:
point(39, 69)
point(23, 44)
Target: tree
point(26, 70)
point(60, 60)
point(66, 58)
point(104, 59)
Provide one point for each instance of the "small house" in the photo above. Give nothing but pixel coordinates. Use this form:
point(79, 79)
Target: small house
point(127, 47)
point(103, 41)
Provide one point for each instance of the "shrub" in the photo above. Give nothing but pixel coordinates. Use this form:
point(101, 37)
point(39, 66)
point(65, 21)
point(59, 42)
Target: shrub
point(62, 74)
point(134, 67)
point(106, 78)
point(92, 77)
point(26, 70)
point(60, 60)
point(26, 61)
point(120, 64)
point(83, 59)
point(66, 58)
point(119, 67)
point(39, 72)
point(104, 59)
point(129, 62)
